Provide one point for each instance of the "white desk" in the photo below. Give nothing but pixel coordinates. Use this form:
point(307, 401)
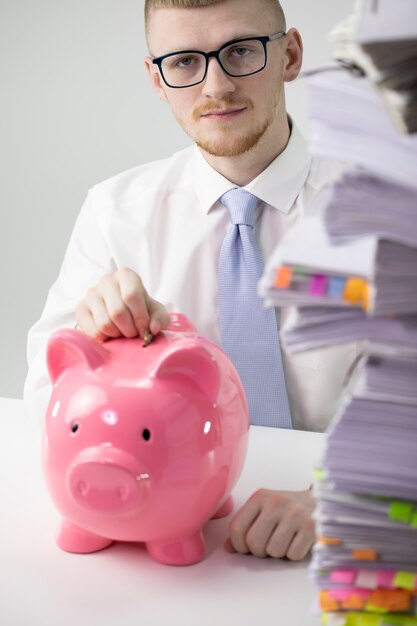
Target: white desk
point(122, 586)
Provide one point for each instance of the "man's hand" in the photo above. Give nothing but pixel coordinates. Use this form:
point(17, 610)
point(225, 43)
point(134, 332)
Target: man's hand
point(119, 306)
point(274, 523)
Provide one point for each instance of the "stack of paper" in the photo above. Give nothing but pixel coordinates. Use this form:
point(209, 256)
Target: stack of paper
point(351, 124)
point(365, 559)
point(391, 210)
point(348, 272)
point(378, 276)
point(308, 328)
point(380, 37)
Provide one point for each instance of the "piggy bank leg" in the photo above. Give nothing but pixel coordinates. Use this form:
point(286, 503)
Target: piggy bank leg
point(185, 552)
point(72, 538)
point(225, 509)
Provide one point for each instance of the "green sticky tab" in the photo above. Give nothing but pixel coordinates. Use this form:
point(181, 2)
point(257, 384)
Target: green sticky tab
point(324, 619)
point(400, 512)
point(405, 580)
point(319, 474)
point(399, 620)
point(298, 269)
point(367, 619)
point(373, 608)
point(413, 522)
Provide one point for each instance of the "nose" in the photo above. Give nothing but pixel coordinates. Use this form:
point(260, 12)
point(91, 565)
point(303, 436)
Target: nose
point(217, 83)
point(108, 481)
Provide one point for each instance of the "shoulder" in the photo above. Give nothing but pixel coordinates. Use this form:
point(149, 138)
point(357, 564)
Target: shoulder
point(324, 172)
point(136, 184)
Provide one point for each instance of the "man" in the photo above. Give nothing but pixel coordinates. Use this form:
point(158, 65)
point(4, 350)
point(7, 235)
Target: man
point(152, 236)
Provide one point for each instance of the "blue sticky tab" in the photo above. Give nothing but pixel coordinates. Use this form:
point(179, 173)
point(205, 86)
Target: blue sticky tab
point(336, 286)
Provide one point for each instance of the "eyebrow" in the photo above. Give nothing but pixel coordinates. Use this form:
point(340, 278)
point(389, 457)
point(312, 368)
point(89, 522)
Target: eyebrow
point(189, 49)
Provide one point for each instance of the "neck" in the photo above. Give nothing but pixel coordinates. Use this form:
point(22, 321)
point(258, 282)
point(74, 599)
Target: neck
point(243, 168)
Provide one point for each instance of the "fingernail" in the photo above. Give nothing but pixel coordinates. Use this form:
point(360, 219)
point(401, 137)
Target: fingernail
point(155, 326)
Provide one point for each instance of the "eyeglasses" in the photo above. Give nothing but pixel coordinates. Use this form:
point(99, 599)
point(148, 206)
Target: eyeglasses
point(239, 57)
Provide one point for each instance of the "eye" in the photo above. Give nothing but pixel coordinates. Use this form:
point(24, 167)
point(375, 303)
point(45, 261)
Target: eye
point(75, 426)
point(186, 62)
point(146, 434)
point(240, 51)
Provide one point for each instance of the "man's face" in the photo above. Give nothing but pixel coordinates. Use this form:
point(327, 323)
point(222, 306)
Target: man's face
point(225, 116)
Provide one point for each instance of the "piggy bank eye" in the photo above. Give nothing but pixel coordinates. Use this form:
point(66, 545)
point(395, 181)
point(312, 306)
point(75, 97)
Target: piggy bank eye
point(75, 426)
point(146, 434)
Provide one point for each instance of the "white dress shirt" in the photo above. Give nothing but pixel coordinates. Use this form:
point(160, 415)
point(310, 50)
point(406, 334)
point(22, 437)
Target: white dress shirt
point(164, 221)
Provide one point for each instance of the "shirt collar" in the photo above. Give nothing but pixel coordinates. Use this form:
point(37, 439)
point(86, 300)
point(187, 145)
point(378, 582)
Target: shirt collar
point(278, 185)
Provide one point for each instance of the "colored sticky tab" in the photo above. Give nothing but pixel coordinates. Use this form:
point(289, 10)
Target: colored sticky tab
point(336, 286)
point(367, 579)
point(393, 600)
point(330, 541)
point(365, 555)
point(366, 298)
point(401, 512)
point(405, 580)
point(327, 603)
point(368, 620)
point(283, 277)
point(354, 603)
point(318, 285)
point(343, 576)
point(355, 291)
point(319, 474)
point(413, 522)
point(385, 579)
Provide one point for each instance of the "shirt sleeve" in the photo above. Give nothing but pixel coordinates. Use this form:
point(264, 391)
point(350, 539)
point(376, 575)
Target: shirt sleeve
point(86, 259)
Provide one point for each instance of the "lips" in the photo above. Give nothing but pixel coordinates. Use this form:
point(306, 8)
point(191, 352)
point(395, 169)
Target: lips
point(222, 112)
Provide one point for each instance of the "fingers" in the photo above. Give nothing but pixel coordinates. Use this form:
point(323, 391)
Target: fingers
point(242, 522)
point(273, 523)
point(119, 305)
point(158, 316)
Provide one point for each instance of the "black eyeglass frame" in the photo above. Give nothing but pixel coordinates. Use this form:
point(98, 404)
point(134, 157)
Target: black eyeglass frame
point(216, 54)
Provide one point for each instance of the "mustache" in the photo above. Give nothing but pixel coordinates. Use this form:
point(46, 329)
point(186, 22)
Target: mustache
point(221, 105)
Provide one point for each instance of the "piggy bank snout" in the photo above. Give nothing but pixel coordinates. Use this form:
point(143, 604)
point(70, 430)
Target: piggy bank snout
point(108, 481)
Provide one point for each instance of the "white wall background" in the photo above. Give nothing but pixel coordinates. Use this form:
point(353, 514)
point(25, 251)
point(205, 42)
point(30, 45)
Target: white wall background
point(76, 108)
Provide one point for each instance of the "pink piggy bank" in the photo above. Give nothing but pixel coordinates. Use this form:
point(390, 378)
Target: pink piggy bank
point(142, 444)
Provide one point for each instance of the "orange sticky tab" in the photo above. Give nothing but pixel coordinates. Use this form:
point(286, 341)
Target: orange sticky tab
point(391, 600)
point(356, 290)
point(365, 555)
point(366, 298)
point(327, 603)
point(330, 541)
point(354, 603)
point(283, 277)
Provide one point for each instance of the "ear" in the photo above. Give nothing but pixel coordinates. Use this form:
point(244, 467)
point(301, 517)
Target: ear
point(156, 78)
point(68, 347)
point(293, 55)
point(191, 360)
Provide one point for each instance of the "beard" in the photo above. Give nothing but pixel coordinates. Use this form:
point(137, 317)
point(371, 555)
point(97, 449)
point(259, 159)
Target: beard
point(227, 143)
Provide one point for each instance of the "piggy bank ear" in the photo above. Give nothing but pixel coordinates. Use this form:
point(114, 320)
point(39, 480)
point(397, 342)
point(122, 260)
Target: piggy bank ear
point(191, 360)
point(67, 347)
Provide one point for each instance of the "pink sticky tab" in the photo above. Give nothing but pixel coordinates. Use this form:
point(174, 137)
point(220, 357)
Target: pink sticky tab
point(344, 576)
point(318, 285)
point(385, 579)
point(367, 579)
point(342, 595)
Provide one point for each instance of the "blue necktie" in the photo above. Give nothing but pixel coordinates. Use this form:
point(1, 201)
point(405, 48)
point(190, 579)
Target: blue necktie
point(248, 331)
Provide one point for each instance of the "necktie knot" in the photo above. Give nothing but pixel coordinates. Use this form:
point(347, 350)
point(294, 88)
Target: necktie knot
point(241, 206)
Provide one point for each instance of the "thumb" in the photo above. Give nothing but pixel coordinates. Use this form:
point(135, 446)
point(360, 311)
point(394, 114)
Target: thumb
point(158, 316)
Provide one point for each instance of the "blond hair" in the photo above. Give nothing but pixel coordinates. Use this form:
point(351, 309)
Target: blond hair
point(191, 4)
